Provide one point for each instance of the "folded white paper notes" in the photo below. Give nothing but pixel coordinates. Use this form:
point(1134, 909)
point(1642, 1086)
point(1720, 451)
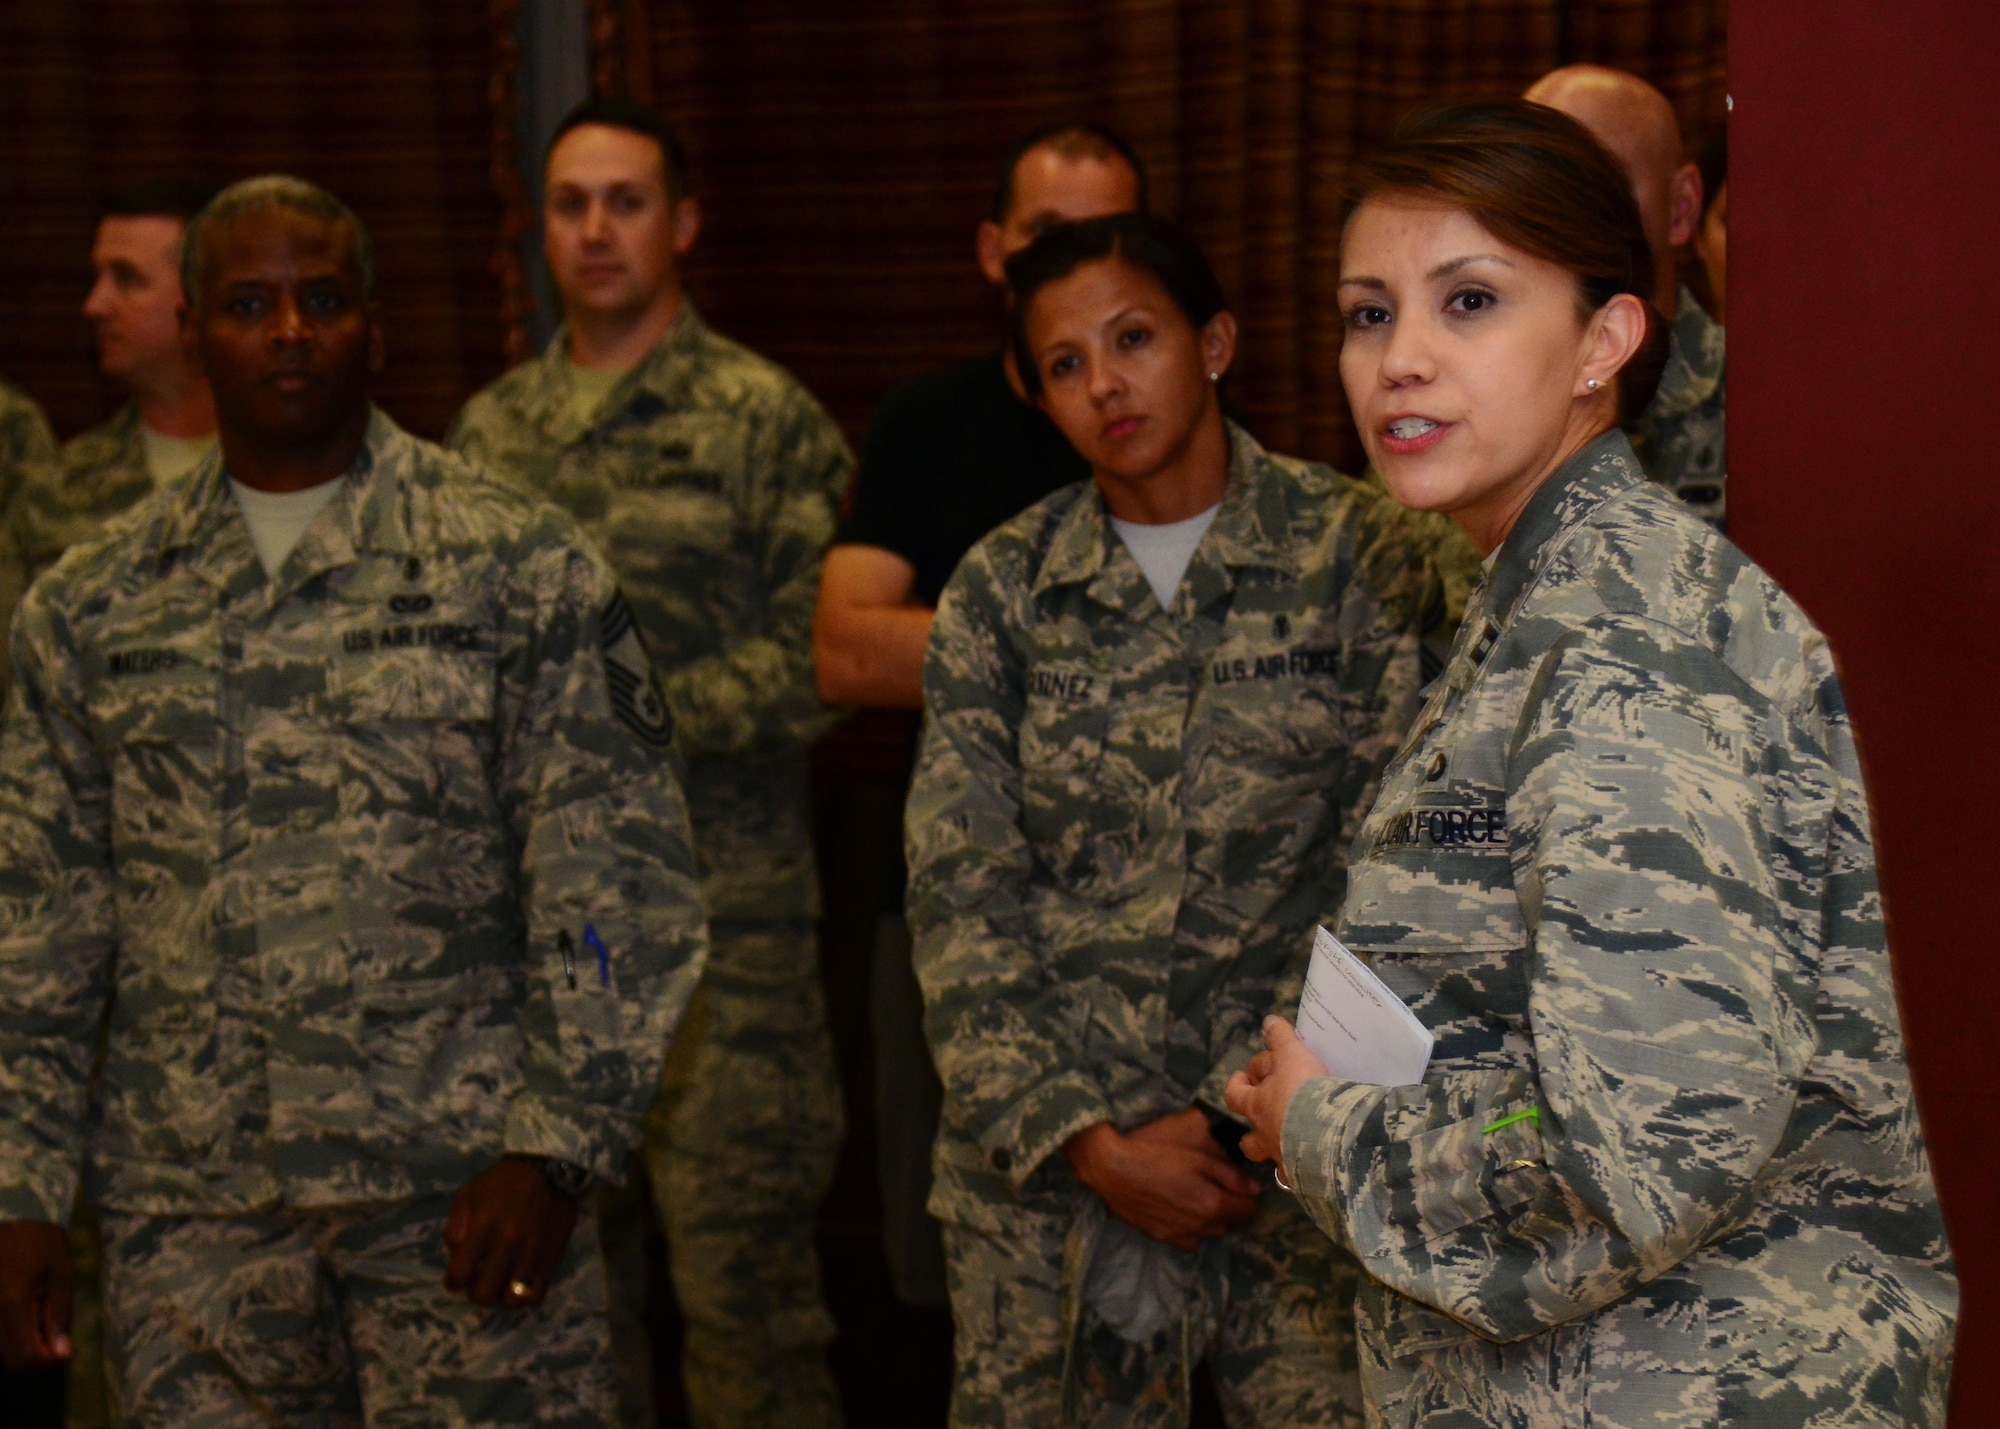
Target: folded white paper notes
point(1354, 1024)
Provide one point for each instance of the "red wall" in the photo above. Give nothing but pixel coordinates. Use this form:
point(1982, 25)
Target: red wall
point(1864, 455)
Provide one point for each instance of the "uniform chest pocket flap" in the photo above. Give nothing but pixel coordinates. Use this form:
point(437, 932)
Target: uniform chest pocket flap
point(1064, 722)
point(1061, 744)
point(450, 681)
point(697, 449)
point(159, 696)
point(1433, 876)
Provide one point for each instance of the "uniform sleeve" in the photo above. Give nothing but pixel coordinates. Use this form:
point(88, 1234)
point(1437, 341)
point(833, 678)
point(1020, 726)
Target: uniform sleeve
point(759, 692)
point(1011, 1062)
point(591, 787)
point(1660, 881)
point(57, 921)
point(27, 458)
point(1387, 603)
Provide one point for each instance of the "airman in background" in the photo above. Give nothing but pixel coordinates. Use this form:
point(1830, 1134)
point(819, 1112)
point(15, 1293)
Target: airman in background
point(1159, 702)
point(168, 425)
point(711, 480)
point(1680, 437)
point(162, 433)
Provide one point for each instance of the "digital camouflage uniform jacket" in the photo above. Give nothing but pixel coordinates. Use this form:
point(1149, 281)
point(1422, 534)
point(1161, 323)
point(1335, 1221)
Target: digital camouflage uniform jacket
point(319, 836)
point(27, 456)
point(1624, 871)
point(1680, 436)
point(1125, 822)
point(96, 475)
point(711, 480)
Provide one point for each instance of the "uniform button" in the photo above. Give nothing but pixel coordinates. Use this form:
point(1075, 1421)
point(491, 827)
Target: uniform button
point(1003, 1159)
point(1436, 771)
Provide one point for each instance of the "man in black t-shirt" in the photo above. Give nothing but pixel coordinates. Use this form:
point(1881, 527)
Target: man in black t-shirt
point(952, 455)
point(948, 457)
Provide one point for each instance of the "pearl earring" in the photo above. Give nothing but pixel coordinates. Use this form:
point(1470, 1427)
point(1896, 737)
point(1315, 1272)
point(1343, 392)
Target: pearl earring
point(1593, 384)
point(1215, 376)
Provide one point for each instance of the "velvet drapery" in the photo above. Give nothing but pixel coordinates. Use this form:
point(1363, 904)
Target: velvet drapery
point(388, 105)
point(846, 153)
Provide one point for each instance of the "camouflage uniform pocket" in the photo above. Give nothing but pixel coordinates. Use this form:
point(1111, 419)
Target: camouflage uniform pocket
point(442, 1053)
point(422, 683)
point(1652, 1362)
point(1066, 813)
point(1461, 1173)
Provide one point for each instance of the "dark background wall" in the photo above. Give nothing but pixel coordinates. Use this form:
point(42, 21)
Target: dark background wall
point(847, 152)
point(387, 104)
point(1863, 373)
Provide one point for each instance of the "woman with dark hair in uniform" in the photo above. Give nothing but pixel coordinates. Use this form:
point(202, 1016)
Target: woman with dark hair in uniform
point(1664, 1167)
point(1158, 705)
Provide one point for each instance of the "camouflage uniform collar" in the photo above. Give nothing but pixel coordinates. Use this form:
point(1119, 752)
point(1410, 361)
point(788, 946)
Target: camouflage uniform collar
point(204, 525)
point(123, 428)
point(661, 372)
point(1253, 528)
point(1563, 503)
point(1695, 354)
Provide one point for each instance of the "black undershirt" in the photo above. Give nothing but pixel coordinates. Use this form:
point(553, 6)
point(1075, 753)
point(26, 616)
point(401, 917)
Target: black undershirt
point(947, 458)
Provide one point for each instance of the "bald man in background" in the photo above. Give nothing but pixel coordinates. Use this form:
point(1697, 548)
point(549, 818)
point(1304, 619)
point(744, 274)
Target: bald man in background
point(1679, 437)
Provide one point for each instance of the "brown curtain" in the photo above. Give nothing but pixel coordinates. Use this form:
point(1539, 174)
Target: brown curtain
point(386, 104)
point(846, 152)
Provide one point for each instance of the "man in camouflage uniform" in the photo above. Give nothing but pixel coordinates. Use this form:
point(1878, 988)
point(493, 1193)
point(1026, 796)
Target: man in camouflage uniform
point(158, 436)
point(1680, 436)
point(1124, 825)
point(168, 424)
point(710, 479)
point(27, 456)
point(1664, 1167)
point(371, 823)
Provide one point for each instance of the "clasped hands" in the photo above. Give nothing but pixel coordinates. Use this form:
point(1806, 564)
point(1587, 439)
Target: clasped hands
point(505, 1237)
point(1169, 1177)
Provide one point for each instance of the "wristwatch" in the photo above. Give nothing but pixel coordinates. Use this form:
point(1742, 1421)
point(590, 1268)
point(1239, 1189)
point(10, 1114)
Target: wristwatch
point(566, 1177)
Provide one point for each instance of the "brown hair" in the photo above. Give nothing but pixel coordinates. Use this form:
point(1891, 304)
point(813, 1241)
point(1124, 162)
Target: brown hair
point(1538, 181)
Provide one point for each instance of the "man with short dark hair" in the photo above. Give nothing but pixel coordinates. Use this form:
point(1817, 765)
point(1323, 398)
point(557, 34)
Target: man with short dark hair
point(710, 478)
point(167, 427)
point(341, 764)
point(949, 457)
point(168, 424)
point(1680, 437)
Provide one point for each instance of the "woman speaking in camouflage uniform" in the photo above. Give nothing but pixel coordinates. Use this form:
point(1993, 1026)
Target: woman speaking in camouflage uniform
point(1664, 1168)
point(1159, 702)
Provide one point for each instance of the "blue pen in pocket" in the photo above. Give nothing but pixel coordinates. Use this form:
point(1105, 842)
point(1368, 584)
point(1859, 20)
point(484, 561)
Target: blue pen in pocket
point(596, 945)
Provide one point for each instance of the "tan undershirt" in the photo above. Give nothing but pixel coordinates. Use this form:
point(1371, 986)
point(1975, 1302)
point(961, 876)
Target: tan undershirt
point(170, 457)
point(589, 386)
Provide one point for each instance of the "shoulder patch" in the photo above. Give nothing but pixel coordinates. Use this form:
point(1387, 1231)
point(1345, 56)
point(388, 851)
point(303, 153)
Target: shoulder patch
point(636, 697)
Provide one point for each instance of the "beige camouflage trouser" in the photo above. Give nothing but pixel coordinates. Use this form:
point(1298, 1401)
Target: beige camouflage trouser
point(740, 1147)
point(317, 1319)
point(1272, 1313)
